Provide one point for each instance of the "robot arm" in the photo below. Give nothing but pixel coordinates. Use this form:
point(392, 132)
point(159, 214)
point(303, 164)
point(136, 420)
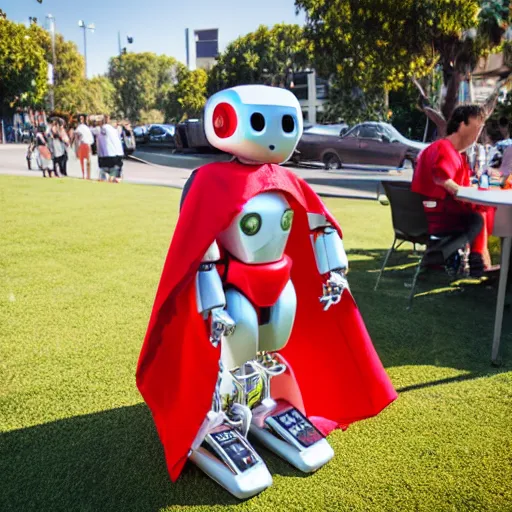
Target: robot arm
point(210, 296)
point(330, 256)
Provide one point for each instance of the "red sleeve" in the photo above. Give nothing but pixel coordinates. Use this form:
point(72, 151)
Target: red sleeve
point(443, 166)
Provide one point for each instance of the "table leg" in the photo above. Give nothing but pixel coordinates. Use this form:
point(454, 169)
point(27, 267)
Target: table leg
point(505, 259)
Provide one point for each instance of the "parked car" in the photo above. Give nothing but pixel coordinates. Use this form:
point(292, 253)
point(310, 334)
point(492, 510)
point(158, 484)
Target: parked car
point(141, 134)
point(190, 135)
point(369, 144)
point(161, 135)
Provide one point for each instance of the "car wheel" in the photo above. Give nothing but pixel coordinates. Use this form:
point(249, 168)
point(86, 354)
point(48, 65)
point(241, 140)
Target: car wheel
point(332, 161)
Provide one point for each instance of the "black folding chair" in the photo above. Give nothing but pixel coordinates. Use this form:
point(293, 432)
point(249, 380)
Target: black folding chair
point(410, 225)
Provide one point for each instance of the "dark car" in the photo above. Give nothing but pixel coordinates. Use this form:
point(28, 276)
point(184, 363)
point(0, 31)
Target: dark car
point(161, 135)
point(141, 134)
point(367, 144)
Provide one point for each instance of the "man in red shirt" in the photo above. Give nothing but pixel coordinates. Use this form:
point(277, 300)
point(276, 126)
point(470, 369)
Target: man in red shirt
point(440, 171)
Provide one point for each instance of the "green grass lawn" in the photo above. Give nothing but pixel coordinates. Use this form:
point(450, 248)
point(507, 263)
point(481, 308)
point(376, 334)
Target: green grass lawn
point(79, 266)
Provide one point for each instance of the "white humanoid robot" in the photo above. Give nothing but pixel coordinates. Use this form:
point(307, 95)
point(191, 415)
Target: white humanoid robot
point(243, 287)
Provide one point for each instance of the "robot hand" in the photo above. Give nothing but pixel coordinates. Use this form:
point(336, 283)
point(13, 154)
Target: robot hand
point(333, 288)
point(221, 324)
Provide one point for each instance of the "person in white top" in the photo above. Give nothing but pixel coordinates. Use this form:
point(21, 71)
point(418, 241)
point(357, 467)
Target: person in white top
point(110, 151)
point(85, 140)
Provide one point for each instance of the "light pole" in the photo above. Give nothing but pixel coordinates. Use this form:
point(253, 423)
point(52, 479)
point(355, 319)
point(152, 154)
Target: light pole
point(129, 40)
point(54, 63)
point(86, 27)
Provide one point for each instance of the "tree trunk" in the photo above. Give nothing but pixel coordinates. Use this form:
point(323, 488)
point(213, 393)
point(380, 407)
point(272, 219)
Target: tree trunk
point(452, 94)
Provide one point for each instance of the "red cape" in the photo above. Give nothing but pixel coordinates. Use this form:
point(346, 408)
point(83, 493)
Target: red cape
point(334, 362)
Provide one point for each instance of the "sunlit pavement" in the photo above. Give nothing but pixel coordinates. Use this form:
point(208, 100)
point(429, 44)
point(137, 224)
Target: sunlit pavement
point(350, 183)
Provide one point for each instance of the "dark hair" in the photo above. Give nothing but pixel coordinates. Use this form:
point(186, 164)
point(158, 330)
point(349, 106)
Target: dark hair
point(503, 121)
point(462, 114)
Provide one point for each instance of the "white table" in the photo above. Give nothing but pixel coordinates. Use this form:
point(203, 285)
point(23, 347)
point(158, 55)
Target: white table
point(502, 199)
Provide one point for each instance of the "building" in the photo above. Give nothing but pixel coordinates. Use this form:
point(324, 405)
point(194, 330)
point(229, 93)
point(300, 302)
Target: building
point(205, 48)
point(311, 91)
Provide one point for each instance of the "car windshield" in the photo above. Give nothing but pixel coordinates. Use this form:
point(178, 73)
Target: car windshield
point(368, 130)
point(324, 129)
point(393, 134)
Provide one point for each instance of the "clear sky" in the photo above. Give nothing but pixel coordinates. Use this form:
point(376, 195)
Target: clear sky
point(156, 25)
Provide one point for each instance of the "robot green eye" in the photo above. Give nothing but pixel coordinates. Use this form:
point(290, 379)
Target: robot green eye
point(286, 220)
point(250, 224)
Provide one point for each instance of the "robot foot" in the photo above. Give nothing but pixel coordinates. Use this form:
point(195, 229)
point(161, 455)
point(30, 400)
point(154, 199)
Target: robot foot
point(227, 457)
point(283, 429)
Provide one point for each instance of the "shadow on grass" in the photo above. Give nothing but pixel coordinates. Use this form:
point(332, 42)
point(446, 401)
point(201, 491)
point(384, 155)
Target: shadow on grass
point(107, 461)
point(451, 322)
point(113, 460)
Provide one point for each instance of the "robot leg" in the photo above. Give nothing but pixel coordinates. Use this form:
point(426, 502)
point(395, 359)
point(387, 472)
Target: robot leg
point(277, 424)
point(224, 453)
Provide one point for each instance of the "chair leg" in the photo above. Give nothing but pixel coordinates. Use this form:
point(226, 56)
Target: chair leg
point(388, 254)
point(413, 286)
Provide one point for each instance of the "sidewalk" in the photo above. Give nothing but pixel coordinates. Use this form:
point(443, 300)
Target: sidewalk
point(343, 183)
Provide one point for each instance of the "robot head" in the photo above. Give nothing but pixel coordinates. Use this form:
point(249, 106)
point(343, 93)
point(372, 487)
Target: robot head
point(256, 123)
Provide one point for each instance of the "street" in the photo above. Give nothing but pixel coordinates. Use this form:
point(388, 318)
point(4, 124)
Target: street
point(172, 170)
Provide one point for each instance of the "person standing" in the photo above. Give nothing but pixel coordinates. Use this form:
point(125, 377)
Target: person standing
point(128, 139)
point(110, 151)
point(440, 171)
point(85, 140)
point(44, 156)
point(59, 143)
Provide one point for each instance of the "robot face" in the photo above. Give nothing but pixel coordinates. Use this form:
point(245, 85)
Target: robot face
point(258, 234)
point(256, 123)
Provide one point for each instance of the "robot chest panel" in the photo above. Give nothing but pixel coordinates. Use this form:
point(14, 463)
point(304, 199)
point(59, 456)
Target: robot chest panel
point(259, 233)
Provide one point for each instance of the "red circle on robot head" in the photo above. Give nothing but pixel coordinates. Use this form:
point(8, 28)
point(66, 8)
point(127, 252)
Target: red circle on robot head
point(224, 120)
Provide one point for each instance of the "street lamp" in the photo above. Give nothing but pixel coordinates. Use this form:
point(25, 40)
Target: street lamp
point(129, 39)
point(52, 31)
point(86, 27)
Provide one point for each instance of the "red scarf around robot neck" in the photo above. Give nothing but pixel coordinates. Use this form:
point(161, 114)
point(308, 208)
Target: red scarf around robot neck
point(330, 353)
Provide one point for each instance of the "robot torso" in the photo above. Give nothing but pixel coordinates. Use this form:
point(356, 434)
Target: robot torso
point(259, 233)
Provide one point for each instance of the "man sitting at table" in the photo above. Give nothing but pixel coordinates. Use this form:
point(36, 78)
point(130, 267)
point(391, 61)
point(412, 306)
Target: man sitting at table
point(440, 171)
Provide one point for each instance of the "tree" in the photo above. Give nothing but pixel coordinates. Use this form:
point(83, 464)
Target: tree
point(153, 116)
point(372, 47)
point(69, 68)
point(142, 82)
point(266, 56)
point(23, 67)
point(95, 96)
point(367, 48)
point(188, 97)
point(458, 54)
point(70, 64)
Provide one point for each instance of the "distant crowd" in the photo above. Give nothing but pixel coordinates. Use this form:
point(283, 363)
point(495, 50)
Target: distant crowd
point(88, 136)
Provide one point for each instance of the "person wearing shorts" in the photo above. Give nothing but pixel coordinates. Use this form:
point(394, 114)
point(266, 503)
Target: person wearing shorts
point(85, 139)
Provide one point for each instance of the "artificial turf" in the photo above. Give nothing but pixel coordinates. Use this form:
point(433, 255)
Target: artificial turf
point(79, 266)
